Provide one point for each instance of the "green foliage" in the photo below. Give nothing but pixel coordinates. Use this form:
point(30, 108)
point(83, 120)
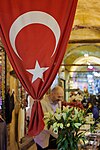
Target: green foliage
point(66, 123)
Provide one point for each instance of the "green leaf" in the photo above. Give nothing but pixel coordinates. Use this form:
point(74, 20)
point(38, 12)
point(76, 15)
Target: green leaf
point(77, 125)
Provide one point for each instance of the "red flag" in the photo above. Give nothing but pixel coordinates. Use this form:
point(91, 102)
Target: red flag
point(35, 35)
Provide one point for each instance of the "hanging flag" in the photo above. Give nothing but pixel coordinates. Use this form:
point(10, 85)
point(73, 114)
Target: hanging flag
point(35, 34)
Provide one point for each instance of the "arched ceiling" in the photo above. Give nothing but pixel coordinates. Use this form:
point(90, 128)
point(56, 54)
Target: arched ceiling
point(88, 13)
point(85, 35)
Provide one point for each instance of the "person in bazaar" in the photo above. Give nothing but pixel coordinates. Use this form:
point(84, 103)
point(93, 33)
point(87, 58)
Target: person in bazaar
point(47, 138)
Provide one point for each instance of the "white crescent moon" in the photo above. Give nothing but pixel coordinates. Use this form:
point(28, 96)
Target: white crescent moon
point(33, 17)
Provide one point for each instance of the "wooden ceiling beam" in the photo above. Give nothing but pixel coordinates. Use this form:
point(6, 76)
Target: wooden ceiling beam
point(84, 41)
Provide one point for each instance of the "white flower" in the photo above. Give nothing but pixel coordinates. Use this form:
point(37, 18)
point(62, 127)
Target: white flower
point(47, 115)
point(77, 125)
point(55, 130)
point(64, 115)
point(58, 110)
point(58, 116)
point(54, 125)
point(68, 124)
point(46, 121)
point(66, 109)
point(61, 126)
point(76, 111)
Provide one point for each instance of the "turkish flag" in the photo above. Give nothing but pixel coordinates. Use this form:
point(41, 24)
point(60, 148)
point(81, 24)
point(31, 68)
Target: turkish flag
point(35, 35)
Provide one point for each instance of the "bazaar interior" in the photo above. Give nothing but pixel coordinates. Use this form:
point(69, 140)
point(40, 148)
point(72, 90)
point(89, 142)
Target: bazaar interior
point(79, 75)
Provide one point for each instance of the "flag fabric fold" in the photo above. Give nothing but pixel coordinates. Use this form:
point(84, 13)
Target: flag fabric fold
point(36, 121)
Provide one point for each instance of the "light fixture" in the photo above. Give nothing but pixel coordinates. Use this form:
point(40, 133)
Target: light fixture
point(90, 67)
point(86, 55)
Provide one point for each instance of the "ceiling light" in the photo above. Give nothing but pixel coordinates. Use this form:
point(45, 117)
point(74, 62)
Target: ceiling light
point(90, 67)
point(86, 55)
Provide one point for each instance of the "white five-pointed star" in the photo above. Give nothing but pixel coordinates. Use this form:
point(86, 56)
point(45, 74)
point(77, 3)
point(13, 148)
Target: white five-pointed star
point(37, 72)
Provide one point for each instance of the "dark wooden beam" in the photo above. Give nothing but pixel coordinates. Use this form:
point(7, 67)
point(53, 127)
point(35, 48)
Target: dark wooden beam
point(84, 41)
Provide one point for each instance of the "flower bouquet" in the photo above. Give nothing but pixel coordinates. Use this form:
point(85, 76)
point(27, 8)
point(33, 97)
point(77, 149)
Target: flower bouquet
point(66, 123)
